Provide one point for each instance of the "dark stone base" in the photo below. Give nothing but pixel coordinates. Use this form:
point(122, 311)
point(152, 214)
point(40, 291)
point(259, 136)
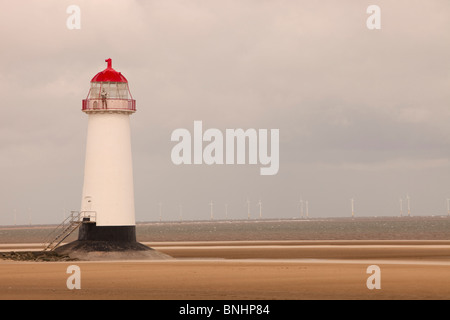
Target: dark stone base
point(102, 246)
point(108, 243)
point(36, 256)
point(109, 250)
point(91, 232)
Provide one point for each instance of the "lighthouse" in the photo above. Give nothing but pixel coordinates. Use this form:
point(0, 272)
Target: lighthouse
point(106, 219)
point(108, 191)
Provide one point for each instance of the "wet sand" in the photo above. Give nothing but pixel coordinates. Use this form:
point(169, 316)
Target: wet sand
point(246, 270)
point(413, 250)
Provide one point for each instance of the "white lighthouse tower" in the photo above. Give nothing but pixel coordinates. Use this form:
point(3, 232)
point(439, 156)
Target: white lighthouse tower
point(106, 221)
point(108, 192)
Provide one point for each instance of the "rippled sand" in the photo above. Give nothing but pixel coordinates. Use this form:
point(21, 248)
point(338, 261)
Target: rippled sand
point(246, 270)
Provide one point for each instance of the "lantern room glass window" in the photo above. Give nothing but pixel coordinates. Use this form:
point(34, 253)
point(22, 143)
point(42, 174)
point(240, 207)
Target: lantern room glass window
point(114, 90)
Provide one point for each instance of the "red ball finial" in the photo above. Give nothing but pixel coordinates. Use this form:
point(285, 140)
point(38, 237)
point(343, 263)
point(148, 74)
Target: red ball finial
point(109, 74)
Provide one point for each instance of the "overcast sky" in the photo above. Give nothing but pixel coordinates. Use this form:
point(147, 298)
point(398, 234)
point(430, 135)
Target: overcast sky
point(362, 113)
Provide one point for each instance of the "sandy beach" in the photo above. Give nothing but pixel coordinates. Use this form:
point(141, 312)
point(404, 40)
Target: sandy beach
point(281, 270)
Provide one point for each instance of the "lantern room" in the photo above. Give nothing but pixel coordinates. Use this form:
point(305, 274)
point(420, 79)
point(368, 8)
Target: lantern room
point(109, 92)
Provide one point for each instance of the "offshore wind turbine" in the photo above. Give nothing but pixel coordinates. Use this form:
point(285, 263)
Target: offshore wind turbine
point(307, 209)
point(160, 211)
point(448, 207)
point(301, 208)
point(260, 208)
point(409, 205)
point(226, 211)
point(212, 213)
point(352, 200)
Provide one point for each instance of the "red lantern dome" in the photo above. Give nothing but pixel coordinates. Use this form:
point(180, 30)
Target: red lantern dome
point(109, 92)
point(109, 75)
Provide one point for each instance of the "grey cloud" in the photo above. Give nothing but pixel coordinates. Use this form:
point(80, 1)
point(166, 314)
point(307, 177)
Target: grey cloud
point(348, 102)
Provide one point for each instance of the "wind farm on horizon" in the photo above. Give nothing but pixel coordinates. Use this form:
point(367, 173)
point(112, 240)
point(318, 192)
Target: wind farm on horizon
point(249, 211)
point(303, 212)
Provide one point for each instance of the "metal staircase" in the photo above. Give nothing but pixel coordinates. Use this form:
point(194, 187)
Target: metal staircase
point(67, 227)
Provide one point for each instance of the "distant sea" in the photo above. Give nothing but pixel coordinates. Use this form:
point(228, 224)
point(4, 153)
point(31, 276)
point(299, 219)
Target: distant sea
point(413, 228)
point(381, 228)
